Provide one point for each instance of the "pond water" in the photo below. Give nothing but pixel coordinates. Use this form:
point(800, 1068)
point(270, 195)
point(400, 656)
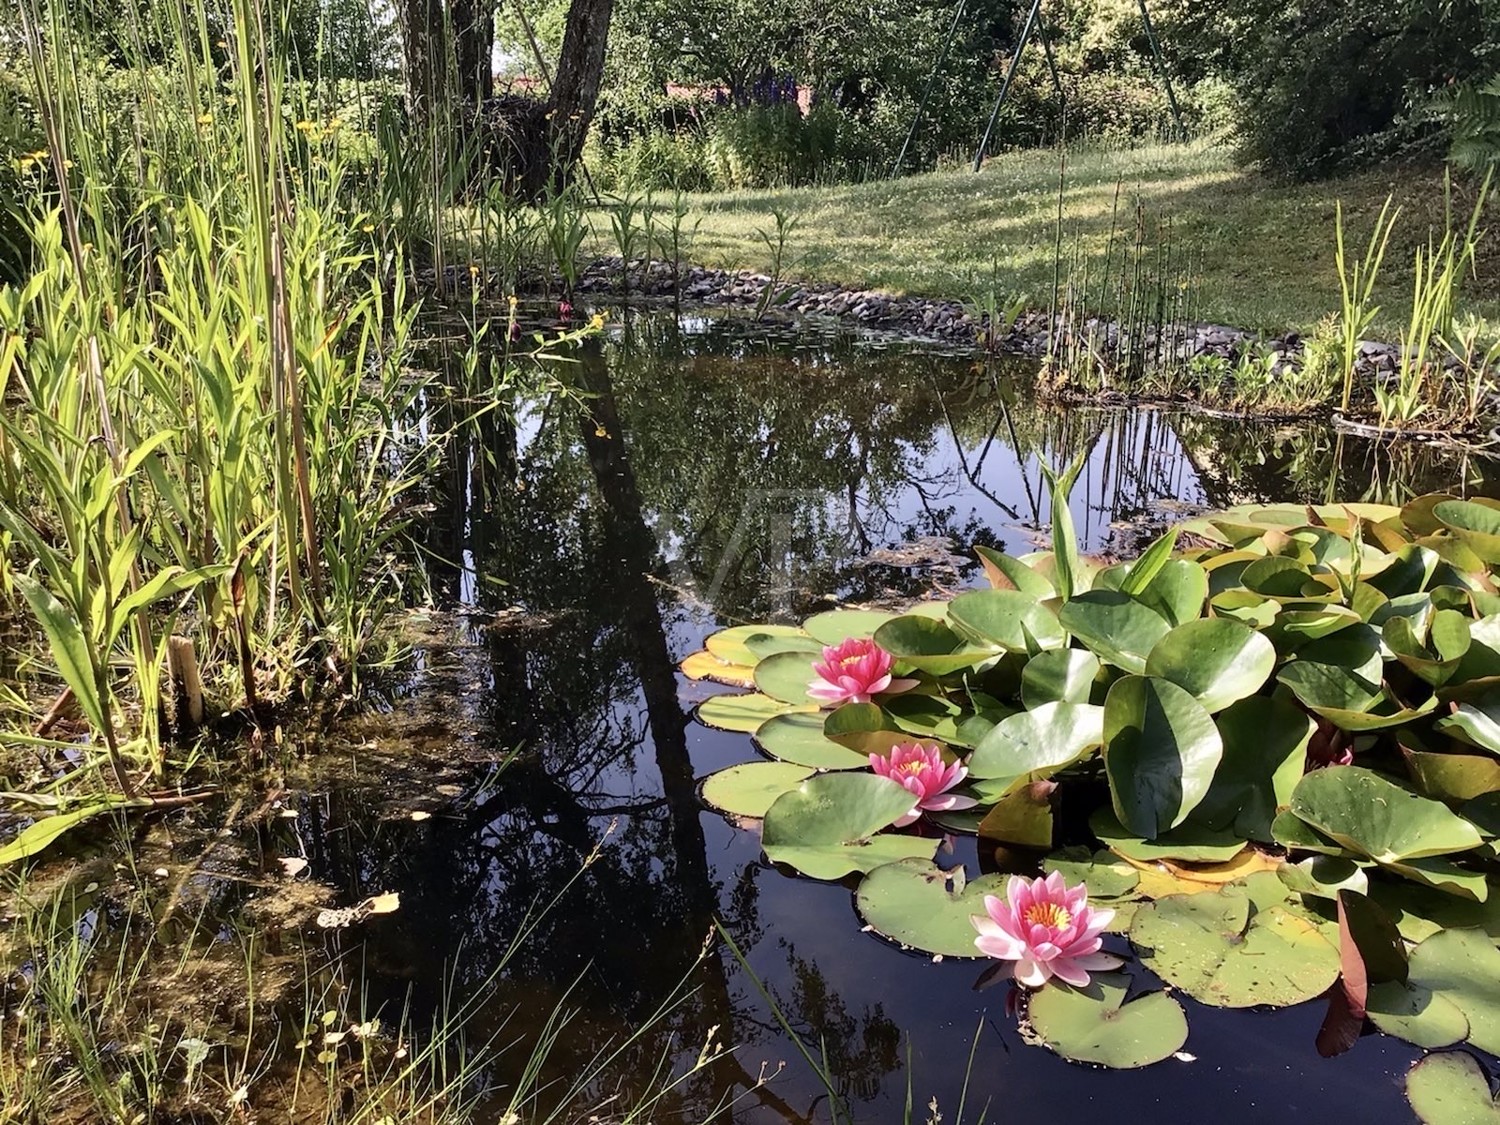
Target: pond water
point(721, 471)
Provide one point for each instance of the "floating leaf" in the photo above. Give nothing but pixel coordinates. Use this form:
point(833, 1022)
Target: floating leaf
point(785, 676)
point(732, 645)
point(762, 645)
point(827, 826)
point(1008, 618)
point(1095, 1025)
point(1036, 744)
point(798, 738)
point(918, 905)
point(1451, 1089)
point(1342, 671)
point(1215, 659)
point(706, 666)
point(1192, 843)
point(1265, 752)
point(1475, 721)
point(1118, 628)
point(1007, 573)
point(1461, 967)
point(748, 790)
point(1478, 525)
point(865, 728)
point(838, 625)
point(1161, 749)
point(1022, 817)
point(1105, 876)
point(928, 716)
point(1063, 675)
point(1324, 876)
point(929, 646)
point(744, 712)
point(41, 834)
point(1377, 818)
point(1177, 592)
point(1454, 777)
point(1220, 950)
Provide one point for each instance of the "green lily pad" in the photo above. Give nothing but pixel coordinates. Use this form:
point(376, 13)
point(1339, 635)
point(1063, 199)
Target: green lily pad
point(1008, 618)
point(732, 645)
point(1463, 967)
point(1454, 777)
point(1177, 592)
point(1451, 1089)
point(1324, 876)
point(1220, 950)
point(785, 676)
point(929, 716)
point(1119, 629)
point(798, 738)
point(1036, 744)
point(1341, 671)
point(1377, 818)
point(1105, 875)
point(929, 646)
point(1192, 843)
point(749, 789)
point(838, 625)
point(828, 826)
point(1007, 573)
point(1022, 817)
point(1265, 753)
point(865, 728)
point(1443, 875)
point(1063, 675)
point(1290, 629)
point(1476, 524)
point(1435, 657)
point(1295, 834)
point(1214, 659)
point(1095, 1025)
point(1416, 1014)
point(920, 906)
point(744, 712)
point(762, 644)
point(1161, 749)
point(1475, 721)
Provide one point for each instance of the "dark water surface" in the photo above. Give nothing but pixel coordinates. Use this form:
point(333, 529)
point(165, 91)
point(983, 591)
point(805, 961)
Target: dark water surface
point(721, 472)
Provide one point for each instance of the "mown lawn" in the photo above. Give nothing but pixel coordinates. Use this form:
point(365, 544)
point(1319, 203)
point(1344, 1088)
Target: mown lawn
point(1265, 248)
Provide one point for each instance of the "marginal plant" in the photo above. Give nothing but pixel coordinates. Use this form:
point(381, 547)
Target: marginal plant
point(1357, 289)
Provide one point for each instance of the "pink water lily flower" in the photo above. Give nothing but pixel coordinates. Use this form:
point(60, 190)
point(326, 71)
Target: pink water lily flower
point(854, 671)
point(922, 771)
point(1047, 929)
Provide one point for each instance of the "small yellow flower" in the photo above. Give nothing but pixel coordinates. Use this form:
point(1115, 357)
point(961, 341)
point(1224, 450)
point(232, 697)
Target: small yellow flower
point(305, 126)
point(222, 44)
point(600, 431)
point(334, 123)
point(368, 228)
point(205, 119)
point(513, 302)
point(596, 322)
point(40, 154)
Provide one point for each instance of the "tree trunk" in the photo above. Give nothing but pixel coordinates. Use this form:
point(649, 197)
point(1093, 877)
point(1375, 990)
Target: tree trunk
point(580, 70)
point(473, 44)
point(422, 53)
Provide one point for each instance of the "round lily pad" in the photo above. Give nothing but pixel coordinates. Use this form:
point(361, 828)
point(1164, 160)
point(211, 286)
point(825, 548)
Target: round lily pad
point(1008, 618)
point(1377, 818)
point(929, 646)
point(1220, 950)
point(1105, 875)
point(1216, 660)
point(1062, 675)
point(762, 645)
point(918, 905)
point(1161, 749)
point(1451, 1089)
point(1119, 629)
point(744, 712)
point(832, 824)
point(1192, 843)
point(749, 789)
point(1040, 742)
point(705, 665)
point(799, 738)
point(1095, 1025)
point(837, 625)
point(732, 645)
point(785, 676)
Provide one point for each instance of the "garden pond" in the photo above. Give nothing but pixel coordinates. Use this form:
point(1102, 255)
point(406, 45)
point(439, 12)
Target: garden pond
point(541, 742)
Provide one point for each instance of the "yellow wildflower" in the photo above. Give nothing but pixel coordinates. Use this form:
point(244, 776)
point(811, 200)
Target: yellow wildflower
point(305, 126)
point(205, 119)
point(368, 228)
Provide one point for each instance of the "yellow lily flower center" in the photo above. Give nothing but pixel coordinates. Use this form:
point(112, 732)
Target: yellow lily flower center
point(914, 767)
point(1047, 914)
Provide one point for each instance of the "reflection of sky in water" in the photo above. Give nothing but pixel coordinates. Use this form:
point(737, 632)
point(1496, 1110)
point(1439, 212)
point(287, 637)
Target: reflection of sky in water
point(595, 699)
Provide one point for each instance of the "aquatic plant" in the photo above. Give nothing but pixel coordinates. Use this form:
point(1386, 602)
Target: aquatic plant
point(1048, 929)
point(1274, 717)
point(920, 769)
point(854, 672)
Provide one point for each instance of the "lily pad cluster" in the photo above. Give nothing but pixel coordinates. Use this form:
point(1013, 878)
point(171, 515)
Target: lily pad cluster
point(1273, 712)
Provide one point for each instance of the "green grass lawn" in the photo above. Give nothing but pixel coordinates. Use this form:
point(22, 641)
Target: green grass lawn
point(1266, 247)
